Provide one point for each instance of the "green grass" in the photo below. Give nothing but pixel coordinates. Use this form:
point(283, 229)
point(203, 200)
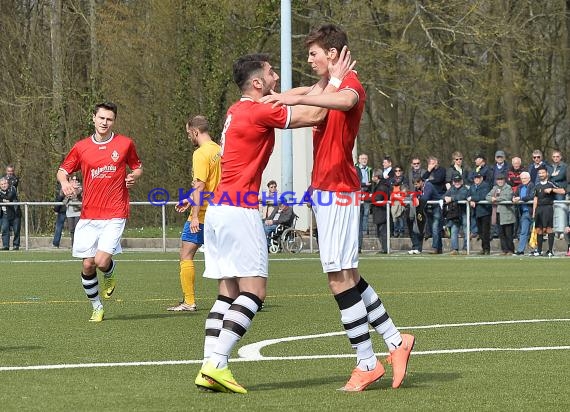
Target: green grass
point(44, 313)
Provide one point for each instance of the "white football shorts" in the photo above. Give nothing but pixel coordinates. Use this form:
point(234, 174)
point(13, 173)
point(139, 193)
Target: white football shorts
point(94, 235)
point(235, 241)
point(338, 218)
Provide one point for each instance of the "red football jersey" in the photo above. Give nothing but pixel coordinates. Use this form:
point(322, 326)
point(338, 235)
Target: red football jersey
point(247, 142)
point(333, 141)
point(104, 169)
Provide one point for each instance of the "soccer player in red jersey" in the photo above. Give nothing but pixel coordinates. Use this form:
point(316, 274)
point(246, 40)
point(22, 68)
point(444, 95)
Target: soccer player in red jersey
point(236, 251)
point(334, 177)
point(103, 159)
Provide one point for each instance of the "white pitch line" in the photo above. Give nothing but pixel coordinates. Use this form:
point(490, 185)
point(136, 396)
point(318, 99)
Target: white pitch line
point(251, 353)
point(269, 358)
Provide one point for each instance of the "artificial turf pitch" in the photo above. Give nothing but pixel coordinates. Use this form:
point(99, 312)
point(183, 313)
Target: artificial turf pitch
point(493, 333)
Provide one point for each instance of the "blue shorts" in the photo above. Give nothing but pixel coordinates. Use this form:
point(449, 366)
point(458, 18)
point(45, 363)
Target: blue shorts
point(196, 238)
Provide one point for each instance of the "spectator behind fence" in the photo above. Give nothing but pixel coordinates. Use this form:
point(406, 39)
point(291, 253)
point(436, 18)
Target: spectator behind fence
point(417, 217)
point(456, 213)
point(381, 195)
point(482, 212)
point(502, 192)
point(387, 171)
point(501, 166)
point(364, 173)
point(72, 212)
point(16, 222)
point(514, 180)
point(398, 190)
point(514, 173)
point(416, 170)
point(60, 212)
point(537, 162)
point(456, 168)
point(7, 212)
point(434, 190)
point(482, 168)
point(524, 193)
point(558, 177)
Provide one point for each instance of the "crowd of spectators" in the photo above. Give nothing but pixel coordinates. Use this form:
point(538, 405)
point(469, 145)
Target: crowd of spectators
point(11, 214)
point(506, 199)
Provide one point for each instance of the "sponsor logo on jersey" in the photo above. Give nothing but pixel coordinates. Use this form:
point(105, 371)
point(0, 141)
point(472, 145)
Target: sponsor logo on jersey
point(101, 172)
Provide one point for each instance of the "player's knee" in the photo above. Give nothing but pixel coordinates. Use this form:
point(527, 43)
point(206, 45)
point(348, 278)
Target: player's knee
point(89, 267)
point(102, 262)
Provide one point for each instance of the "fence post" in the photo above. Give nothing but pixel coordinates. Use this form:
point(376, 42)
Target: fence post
point(163, 228)
point(388, 219)
point(26, 227)
point(467, 234)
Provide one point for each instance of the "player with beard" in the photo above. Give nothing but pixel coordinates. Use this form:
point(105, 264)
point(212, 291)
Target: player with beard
point(236, 251)
point(206, 172)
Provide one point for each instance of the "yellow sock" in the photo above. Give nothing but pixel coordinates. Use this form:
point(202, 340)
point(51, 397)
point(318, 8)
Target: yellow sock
point(187, 279)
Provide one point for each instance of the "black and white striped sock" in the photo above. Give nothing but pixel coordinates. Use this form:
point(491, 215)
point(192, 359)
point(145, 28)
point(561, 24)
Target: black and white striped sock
point(214, 323)
point(355, 321)
point(378, 317)
point(91, 287)
point(237, 321)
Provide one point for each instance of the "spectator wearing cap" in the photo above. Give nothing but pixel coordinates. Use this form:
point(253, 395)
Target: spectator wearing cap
point(501, 192)
point(537, 162)
point(482, 168)
point(456, 193)
point(456, 168)
point(501, 166)
point(478, 192)
point(523, 194)
point(558, 177)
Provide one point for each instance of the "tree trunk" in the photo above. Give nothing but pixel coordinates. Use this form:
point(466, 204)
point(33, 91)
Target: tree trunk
point(58, 116)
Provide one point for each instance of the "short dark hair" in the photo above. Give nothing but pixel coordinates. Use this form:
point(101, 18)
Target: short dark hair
point(327, 36)
point(107, 106)
point(246, 66)
point(198, 122)
point(271, 183)
point(542, 167)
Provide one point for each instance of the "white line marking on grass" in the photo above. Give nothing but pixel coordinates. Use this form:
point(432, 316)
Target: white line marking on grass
point(253, 351)
point(250, 353)
point(268, 358)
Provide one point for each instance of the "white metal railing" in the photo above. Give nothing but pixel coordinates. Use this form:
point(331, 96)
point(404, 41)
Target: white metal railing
point(26, 206)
